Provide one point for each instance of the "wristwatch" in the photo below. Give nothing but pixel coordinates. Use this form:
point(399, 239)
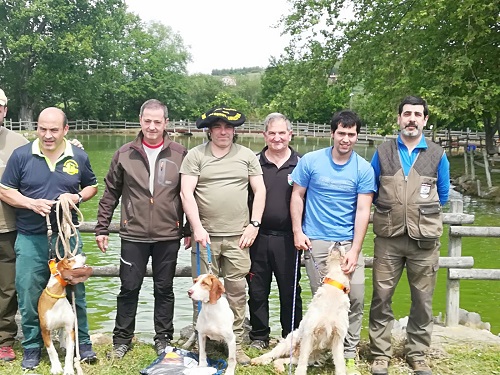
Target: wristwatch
point(80, 198)
point(255, 223)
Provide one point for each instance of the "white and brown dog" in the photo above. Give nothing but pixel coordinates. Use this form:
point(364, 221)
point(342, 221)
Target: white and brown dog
point(323, 327)
point(215, 320)
point(54, 311)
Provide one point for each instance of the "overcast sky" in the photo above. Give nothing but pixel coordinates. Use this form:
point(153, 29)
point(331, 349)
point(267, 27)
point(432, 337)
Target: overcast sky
point(220, 33)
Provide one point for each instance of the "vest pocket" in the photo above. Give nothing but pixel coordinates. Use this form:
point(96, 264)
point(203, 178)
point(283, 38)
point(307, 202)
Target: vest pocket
point(430, 220)
point(382, 220)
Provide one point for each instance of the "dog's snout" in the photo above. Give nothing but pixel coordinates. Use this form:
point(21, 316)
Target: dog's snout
point(190, 292)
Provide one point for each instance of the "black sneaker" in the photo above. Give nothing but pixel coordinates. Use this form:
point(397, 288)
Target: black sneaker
point(87, 355)
point(259, 344)
point(31, 358)
point(160, 345)
point(119, 351)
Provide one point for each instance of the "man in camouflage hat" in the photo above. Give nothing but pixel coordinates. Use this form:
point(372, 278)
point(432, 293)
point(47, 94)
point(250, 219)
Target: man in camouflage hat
point(214, 191)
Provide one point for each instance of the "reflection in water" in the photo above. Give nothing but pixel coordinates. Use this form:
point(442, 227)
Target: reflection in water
point(101, 292)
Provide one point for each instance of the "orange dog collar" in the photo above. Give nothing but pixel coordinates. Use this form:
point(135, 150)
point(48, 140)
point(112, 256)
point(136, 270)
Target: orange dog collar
point(336, 284)
point(55, 272)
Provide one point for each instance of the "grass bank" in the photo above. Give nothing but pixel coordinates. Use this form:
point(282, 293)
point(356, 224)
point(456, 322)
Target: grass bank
point(473, 358)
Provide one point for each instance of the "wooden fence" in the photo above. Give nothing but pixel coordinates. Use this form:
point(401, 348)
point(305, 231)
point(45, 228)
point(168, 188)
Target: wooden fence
point(448, 139)
point(458, 266)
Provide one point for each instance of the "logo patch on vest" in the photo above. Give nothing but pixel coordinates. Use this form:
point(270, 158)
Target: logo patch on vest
point(289, 178)
point(70, 167)
point(425, 190)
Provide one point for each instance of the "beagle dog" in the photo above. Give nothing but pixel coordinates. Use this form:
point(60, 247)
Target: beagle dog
point(215, 319)
point(55, 312)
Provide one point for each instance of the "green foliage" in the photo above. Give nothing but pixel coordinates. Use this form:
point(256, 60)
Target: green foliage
point(89, 57)
point(445, 51)
point(239, 71)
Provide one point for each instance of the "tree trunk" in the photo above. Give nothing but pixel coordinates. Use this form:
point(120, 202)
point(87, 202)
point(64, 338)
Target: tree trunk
point(489, 131)
point(26, 111)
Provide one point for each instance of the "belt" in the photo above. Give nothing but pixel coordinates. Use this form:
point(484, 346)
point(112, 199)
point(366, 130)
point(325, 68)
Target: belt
point(279, 233)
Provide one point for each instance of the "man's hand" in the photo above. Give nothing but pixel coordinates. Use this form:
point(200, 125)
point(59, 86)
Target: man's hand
point(72, 197)
point(201, 236)
point(41, 206)
point(248, 237)
point(301, 241)
point(102, 242)
point(350, 262)
point(77, 143)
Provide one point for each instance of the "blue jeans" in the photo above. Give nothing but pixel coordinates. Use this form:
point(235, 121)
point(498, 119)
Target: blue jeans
point(32, 275)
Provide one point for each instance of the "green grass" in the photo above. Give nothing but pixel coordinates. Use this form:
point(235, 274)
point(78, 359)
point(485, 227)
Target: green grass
point(456, 360)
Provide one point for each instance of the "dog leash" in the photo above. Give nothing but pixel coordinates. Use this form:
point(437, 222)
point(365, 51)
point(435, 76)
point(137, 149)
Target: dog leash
point(293, 310)
point(198, 264)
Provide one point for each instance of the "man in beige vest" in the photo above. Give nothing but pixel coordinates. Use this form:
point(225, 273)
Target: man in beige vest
point(9, 141)
point(413, 177)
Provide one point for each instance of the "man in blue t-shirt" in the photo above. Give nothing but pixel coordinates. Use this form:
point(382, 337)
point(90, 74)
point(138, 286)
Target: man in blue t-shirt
point(335, 211)
point(35, 176)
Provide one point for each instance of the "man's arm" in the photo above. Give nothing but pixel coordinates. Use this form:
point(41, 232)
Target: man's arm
point(443, 180)
point(188, 185)
point(108, 202)
point(259, 202)
point(87, 193)
point(14, 198)
point(360, 227)
point(301, 241)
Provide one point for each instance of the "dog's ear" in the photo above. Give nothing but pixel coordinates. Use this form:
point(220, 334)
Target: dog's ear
point(216, 290)
point(63, 264)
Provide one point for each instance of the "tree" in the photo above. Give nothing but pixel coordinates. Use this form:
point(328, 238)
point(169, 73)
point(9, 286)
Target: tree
point(48, 47)
point(445, 51)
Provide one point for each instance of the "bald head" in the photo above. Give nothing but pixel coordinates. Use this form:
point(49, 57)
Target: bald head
point(52, 128)
point(53, 114)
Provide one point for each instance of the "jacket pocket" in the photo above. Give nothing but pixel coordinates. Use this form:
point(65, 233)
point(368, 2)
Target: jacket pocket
point(127, 215)
point(382, 220)
point(430, 220)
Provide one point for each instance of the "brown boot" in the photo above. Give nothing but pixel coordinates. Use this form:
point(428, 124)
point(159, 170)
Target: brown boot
point(419, 367)
point(241, 357)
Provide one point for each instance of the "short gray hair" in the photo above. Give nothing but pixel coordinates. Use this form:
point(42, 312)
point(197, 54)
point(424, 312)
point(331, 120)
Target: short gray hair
point(276, 116)
point(154, 104)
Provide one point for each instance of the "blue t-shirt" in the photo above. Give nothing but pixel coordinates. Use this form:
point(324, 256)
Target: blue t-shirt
point(332, 193)
point(34, 176)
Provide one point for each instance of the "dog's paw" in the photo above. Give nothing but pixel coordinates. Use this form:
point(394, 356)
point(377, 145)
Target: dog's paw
point(69, 371)
point(262, 360)
point(56, 369)
point(203, 363)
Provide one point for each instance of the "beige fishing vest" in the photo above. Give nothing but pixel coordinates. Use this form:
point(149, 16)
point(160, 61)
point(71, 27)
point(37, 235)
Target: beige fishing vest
point(408, 204)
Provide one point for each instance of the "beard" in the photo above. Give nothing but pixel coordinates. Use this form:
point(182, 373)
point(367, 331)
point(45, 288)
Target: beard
point(411, 133)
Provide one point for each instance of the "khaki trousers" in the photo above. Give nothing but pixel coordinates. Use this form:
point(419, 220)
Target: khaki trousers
point(391, 256)
point(232, 263)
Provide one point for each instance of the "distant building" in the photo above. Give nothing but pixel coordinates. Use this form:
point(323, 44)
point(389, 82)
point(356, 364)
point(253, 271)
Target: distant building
point(228, 81)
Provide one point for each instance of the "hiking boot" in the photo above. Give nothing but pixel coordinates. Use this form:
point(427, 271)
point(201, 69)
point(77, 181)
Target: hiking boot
point(31, 358)
point(259, 344)
point(379, 366)
point(7, 353)
point(160, 345)
point(241, 357)
point(119, 351)
point(420, 367)
point(87, 355)
point(351, 368)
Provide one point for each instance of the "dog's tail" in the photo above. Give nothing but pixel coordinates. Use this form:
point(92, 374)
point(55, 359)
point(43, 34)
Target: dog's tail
point(189, 343)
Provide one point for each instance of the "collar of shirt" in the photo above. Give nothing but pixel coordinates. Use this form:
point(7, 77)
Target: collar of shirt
point(407, 159)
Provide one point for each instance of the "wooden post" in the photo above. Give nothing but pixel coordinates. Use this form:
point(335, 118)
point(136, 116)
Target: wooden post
point(487, 169)
point(472, 168)
point(453, 286)
point(466, 163)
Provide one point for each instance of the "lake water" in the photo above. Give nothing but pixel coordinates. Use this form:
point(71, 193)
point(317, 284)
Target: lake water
point(479, 296)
